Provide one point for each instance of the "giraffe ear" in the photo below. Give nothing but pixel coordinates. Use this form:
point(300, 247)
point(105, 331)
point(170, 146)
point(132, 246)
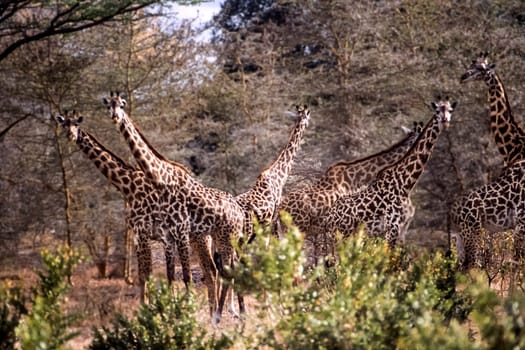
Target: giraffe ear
point(433, 105)
point(80, 119)
point(59, 119)
point(105, 101)
point(454, 105)
point(492, 66)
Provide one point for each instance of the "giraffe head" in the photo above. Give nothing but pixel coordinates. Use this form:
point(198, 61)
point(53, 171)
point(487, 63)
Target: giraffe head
point(443, 110)
point(303, 113)
point(115, 106)
point(70, 123)
point(479, 69)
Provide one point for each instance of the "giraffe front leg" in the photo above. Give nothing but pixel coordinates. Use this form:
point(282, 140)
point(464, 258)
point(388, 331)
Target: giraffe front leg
point(144, 262)
point(519, 243)
point(223, 256)
point(183, 247)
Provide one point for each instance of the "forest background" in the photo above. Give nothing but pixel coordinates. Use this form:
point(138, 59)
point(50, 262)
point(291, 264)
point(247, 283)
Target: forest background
point(220, 106)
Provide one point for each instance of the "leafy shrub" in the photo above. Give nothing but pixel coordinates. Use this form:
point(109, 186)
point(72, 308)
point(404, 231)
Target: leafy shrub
point(167, 322)
point(372, 298)
point(12, 309)
point(46, 326)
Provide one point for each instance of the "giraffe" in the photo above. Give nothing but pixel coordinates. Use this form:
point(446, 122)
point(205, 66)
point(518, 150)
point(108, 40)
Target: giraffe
point(380, 207)
point(189, 209)
point(139, 193)
point(265, 195)
point(495, 206)
point(509, 137)
point(309, 204)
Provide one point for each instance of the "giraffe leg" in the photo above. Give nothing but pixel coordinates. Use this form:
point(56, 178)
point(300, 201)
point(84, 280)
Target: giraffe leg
point(209, 244)
point(469, 238)
point(144, 262)
point(223, 256)
point(209, 271)
point(183, 248)
point(392, 236)
point(519, 243)
point(169, 253)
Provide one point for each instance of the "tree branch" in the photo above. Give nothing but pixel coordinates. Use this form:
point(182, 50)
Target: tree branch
point(10, 126)
point(68, 19)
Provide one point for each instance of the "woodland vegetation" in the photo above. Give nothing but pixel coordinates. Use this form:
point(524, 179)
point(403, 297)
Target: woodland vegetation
point(220, 106)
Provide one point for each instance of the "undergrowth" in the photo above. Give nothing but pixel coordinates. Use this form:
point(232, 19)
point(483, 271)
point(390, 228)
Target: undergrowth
point(373, 297)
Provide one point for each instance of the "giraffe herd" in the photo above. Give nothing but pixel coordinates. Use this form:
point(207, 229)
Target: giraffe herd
point(166, 203)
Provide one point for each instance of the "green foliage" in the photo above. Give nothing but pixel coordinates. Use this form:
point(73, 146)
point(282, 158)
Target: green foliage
point(167, 322)
point(501, 322)
point(372, 298)
point(12, 309)
point(46, 326)
point(270, 264)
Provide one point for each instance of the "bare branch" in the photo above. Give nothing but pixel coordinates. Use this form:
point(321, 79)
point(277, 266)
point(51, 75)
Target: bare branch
point(29, 21)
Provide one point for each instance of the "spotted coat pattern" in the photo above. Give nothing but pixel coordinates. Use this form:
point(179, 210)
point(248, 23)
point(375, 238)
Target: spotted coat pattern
point(496, 206)
point(381, 206)
point(139, 194)
point(309, 204)
point(264, 197)
point(188, 208)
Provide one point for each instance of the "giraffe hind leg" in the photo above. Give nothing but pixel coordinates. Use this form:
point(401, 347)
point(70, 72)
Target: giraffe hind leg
point(209, 271)
point(226, 291)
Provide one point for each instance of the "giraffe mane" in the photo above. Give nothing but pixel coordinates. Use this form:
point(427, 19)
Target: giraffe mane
point(157, 153)
point(105, 149)
point(351, 162)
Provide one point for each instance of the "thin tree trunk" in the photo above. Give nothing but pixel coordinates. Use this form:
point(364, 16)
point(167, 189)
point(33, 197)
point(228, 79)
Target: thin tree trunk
point(67, 191)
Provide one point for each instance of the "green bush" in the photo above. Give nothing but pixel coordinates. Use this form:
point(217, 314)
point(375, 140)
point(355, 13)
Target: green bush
point(166, 322)
point(371, 299)
point(46, 325)
point(12, 309)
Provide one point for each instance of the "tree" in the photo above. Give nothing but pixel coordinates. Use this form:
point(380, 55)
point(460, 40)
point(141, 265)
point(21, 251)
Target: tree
point(49, 183)
point(23, 22)
point(368, 68)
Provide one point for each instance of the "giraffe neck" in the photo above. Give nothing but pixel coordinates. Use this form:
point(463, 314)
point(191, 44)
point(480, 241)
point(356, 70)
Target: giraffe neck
point(117, 171)
point(350, 176)
point(509, 137)
point(156, 167)
point(407, 171)
point(279, 170)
